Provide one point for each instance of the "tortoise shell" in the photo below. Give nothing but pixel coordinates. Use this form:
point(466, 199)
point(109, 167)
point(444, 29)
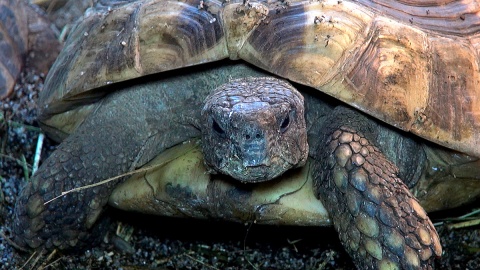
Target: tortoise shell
point(411, 64)
point(24, 31)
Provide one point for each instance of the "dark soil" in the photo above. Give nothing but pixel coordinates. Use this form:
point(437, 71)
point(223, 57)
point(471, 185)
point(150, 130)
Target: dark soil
point(165, 243)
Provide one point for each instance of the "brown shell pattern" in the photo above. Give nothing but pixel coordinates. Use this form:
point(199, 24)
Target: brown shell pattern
point(13, 30)
point(24, 31)
point(413, 64)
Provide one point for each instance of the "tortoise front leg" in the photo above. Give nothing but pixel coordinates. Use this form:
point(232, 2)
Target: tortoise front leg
point(82, 159)
point(103, 147)
point(125, 131)
point(379, 222)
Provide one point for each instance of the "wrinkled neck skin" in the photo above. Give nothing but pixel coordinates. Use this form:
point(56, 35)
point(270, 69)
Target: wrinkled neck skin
point(403, 149)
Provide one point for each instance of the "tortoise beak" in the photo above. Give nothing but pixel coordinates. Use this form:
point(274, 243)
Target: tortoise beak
point(253, 149)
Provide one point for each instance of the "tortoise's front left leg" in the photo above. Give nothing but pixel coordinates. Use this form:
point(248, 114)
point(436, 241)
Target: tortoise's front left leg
point(379, 222)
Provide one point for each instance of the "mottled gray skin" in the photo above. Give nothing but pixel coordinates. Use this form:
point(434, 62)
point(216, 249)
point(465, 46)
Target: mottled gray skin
point(378, 220)
point(253, 129)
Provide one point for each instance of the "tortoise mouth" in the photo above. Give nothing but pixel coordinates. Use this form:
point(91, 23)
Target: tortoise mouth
point(254, 174)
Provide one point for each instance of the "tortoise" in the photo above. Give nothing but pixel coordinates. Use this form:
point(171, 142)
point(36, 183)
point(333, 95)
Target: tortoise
point(25, 34)
point(391, 61)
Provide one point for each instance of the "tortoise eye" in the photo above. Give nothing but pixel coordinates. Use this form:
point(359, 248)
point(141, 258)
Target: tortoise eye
point(216, 127)
point(285, 123)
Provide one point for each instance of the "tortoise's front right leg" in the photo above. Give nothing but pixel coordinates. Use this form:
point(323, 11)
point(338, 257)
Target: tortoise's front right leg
point(379, 222)
point(118, 138)
point(126, 130)
point(86, 157)
point(122, 134)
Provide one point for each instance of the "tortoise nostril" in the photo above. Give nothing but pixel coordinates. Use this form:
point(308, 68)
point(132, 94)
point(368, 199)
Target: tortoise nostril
point(253, 136)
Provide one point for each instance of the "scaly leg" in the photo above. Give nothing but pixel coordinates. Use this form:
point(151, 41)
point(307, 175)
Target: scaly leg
point(379, 222)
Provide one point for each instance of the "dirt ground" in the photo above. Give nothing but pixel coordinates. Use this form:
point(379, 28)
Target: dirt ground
point(163, 243)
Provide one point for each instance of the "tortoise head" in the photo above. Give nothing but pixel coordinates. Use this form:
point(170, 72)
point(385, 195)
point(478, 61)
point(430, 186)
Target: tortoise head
point(253, 129)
